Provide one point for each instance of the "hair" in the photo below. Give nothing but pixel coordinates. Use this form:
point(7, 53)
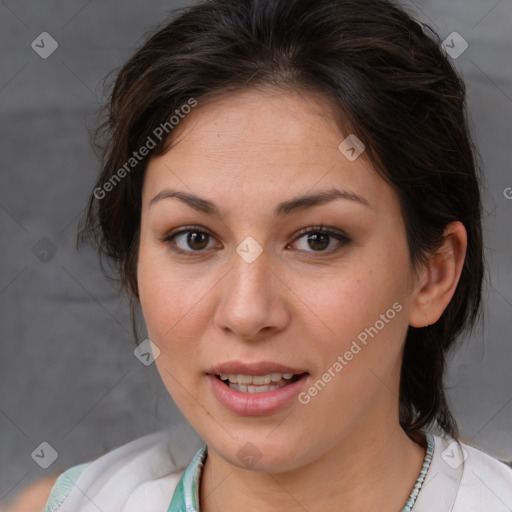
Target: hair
point(388, 81)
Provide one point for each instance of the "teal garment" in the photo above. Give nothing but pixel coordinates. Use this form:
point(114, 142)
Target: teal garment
point(63, 486)
point(186, 495)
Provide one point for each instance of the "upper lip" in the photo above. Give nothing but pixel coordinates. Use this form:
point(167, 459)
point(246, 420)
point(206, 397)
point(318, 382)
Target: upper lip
point(257, 368)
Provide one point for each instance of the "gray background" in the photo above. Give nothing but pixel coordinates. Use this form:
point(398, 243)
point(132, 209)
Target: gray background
point(68, 375)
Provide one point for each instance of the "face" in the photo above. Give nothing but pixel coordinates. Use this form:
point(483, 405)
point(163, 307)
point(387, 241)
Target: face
point(246, 286)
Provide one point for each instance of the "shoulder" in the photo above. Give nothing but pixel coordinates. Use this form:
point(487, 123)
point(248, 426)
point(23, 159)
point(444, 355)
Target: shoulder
point(462, 478)
point(139, 475)
point(486, 480)
point(63, 486)
point(32, 497)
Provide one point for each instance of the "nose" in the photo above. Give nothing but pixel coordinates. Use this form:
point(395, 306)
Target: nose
point(253, 301)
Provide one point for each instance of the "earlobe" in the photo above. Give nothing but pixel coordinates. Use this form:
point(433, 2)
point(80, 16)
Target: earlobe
point(436, 289)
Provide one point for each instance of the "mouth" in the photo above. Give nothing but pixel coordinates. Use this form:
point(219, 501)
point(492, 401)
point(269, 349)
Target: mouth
point(259, 383)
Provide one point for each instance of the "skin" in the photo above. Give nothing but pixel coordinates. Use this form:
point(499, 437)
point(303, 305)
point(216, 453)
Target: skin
point(33, 498)
point(295, 305)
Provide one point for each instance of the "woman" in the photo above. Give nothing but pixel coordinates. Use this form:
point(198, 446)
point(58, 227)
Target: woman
point(289, 191)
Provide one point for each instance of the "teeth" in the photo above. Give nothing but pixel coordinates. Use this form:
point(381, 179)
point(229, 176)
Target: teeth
point(256, 389)
point(258, 380)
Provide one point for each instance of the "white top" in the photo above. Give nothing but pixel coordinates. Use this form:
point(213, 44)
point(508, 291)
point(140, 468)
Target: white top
point(142, 475)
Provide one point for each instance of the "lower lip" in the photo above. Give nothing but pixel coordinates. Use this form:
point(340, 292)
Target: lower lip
point(256, 404)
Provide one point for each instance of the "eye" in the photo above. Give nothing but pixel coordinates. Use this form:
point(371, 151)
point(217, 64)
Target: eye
point(319, 238)
point(196, 239)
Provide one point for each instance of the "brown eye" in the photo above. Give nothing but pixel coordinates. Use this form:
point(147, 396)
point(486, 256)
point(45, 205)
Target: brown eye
point(318, 240)
point(188, 240)
point(194, 240)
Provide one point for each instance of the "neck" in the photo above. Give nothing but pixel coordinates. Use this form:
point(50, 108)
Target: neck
point(372, 469)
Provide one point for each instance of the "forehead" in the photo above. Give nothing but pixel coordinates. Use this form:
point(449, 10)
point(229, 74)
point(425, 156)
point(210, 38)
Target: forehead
point(261, 144)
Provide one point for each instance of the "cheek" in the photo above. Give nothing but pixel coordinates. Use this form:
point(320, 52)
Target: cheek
point(176, 311)
point(363, 311)
point(170, 298)
point(172, 322)
point(358, 295)
point(167, 305)
point(361, 349)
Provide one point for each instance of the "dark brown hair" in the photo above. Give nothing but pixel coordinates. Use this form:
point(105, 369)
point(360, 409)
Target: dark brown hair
point(388, 81)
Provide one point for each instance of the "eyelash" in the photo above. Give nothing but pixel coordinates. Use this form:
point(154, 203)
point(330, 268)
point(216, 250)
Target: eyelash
point(338, 235)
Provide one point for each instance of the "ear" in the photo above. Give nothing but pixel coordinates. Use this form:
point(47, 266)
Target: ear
point(439, 279)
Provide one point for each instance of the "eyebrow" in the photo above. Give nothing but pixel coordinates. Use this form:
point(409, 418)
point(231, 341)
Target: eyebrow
point(302, 202)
